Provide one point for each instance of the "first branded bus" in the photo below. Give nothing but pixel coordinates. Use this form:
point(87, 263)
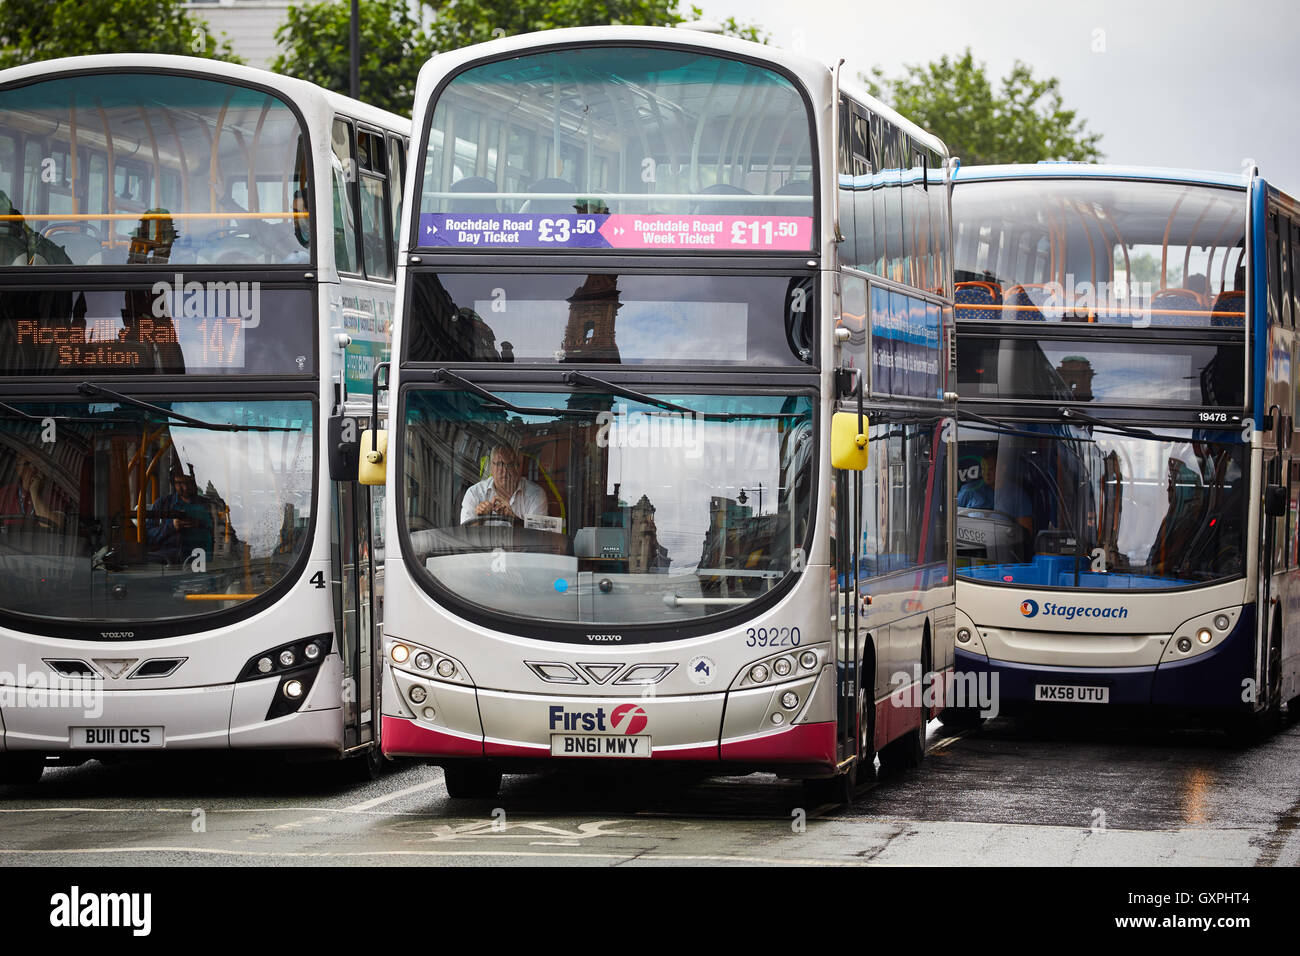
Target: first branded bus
point(647, 276)
point(197, 272)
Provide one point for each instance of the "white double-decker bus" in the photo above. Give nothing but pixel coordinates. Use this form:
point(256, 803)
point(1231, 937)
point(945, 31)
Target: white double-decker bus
point(642, 270)
point(197, 272)
point(1126, 532)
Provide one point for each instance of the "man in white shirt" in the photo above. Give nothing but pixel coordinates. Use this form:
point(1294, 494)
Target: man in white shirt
point(505, 492)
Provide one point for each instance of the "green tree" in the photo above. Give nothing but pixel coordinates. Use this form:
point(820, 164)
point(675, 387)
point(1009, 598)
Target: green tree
point(395, 44)
point(32, 30)
point(1023, 122)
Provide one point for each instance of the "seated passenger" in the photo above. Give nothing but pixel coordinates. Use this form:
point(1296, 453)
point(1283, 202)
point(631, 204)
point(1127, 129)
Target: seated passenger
point(505, 492)
point(181, 522)
point(1011, 499)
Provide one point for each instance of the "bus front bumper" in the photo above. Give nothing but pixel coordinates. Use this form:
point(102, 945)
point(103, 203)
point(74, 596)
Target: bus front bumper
point(1212, 681)
point(89, 719)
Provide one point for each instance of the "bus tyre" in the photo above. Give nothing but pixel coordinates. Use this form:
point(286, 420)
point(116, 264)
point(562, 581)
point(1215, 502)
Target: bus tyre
point(21, 769)
point(838, 790)
point(867, 742)
point(1246, 729)
point(366, 767)
point(471, 781)
point(960, 718)
point(909, 750)
point(904, 753)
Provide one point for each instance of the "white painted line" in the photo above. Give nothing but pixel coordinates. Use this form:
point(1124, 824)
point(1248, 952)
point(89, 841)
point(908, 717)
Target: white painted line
point(625, 857)
point(948, 740)
point(368, 804)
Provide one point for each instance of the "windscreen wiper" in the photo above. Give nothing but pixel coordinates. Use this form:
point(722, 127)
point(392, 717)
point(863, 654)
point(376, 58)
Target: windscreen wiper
point(1119, 427)
point(582, 378)
point(91, 390)
point(444, 375)
point(13, 411)
point(1002, 428)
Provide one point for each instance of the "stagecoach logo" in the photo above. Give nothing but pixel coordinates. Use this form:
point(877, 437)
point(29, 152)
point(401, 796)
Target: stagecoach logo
point(628, 718)
point(1028, 608)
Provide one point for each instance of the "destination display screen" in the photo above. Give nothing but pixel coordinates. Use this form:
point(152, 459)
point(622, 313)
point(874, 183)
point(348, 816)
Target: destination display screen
point(617, 231)
point(173, 326)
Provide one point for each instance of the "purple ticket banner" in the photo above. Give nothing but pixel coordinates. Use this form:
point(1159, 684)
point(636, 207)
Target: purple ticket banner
point(617, 231)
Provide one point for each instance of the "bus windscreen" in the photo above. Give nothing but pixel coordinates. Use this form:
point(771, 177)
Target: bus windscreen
point(618, 148)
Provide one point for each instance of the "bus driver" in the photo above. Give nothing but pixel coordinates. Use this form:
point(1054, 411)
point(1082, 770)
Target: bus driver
point(505, 492)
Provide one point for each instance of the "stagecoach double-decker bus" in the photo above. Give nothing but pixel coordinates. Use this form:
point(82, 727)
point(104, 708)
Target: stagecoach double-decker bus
point(642, 270)
point(1126, 530)
point(197, 271)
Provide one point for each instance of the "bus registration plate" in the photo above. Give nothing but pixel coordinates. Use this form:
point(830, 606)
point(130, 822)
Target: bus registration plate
point(600, 745)
point(115, 738)
point(1072, 693)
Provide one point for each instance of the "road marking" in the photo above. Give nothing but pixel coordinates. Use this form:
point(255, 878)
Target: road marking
point(369, 804)
point(622, 857)
point(948, 740)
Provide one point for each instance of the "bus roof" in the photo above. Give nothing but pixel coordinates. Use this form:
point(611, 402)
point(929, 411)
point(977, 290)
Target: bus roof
point(1052, 170)
point(295, 89)
point(814, 75)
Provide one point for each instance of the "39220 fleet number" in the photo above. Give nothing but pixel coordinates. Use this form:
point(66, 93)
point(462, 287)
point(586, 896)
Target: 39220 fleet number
point(772, 637)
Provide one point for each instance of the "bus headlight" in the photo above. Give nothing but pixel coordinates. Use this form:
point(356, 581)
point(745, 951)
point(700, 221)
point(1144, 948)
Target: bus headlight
point(1184, 644)
point(398, 653)
point(311, 651)
point(293, 689)
point(446, 668)
point(789, 700)
point(264, 665)
point(1204, 635)
point(782, 666)
point(758, 673)
point(1221, 621)
point(423, 660)
point(417, 694)
point(286, 657)
point(963, 635)
point(808, 660)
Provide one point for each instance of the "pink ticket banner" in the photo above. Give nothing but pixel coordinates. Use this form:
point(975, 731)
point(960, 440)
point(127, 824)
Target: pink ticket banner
point(616, 231)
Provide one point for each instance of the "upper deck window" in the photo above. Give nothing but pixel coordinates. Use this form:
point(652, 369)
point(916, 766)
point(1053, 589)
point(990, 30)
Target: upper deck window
point(618, 147)
point(1135, 254)
point(124, 169)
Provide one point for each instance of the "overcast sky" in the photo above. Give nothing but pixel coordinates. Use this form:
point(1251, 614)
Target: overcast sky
point(1194, 84)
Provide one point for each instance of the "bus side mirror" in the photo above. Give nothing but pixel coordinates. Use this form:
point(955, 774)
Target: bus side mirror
point(1275, 501)
point(848, 443)
point(374, 452)
point(344, 447)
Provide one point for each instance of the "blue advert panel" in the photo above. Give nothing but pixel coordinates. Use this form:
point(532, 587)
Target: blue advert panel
point(905, 345)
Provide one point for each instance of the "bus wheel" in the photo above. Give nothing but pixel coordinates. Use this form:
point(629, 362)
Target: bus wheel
point(21, 769)
point(365, 768)
point(839, 789)
point(1246, 729)
point(960, 718)
point(909, 750)
point(471, 781)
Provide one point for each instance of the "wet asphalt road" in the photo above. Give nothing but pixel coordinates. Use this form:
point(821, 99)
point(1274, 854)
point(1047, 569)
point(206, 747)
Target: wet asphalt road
point(1008, 793)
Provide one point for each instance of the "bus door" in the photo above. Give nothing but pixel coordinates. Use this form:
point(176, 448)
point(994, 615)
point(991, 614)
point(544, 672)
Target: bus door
point(848, 537)
point(356, 539)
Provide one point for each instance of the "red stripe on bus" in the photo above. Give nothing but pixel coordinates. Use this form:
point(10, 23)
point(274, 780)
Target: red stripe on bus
point(404, 738)
point(802, 743)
